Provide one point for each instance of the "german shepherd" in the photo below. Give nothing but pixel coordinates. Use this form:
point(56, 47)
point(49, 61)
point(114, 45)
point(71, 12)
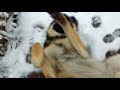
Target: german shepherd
point(65, 55)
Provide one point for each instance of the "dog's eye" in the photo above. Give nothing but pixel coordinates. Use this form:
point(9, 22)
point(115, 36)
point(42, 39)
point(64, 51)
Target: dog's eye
point(58, 28)
point(96, 22)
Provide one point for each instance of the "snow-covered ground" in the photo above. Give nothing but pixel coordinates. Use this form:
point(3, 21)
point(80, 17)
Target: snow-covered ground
point(93, 37)
point(32, 26)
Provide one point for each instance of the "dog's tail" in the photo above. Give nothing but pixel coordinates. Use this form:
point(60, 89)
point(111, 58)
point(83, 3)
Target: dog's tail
point(71, 33)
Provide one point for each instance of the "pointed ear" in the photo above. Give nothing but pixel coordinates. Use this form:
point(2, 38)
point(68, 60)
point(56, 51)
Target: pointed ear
point(71, 33)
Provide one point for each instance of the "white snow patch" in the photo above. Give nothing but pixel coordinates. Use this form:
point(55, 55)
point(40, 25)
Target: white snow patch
point(93, 37)
point(14, 63)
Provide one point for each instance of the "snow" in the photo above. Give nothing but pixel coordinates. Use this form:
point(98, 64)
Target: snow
point(4, 14)
point(93, 37)
point(32, 27)
point(25, 34)
point(3, 18)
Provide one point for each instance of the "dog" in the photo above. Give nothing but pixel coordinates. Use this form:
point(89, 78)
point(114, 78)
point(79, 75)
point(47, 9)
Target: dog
point(65, 56)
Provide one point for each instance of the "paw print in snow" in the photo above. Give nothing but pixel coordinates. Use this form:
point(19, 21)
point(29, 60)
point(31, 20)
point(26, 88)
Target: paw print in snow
point(96, 22)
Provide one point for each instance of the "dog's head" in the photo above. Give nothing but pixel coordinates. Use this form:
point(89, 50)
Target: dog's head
point(56, 33)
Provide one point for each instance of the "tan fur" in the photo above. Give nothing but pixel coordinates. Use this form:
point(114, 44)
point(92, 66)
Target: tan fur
point(40, 59)
point(37, 55)
point(114, 63)
point(71, 60)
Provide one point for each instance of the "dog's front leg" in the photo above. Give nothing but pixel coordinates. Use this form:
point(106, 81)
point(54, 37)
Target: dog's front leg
point(40, 60)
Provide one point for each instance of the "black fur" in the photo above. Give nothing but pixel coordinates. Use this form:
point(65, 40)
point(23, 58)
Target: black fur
point(59, 29)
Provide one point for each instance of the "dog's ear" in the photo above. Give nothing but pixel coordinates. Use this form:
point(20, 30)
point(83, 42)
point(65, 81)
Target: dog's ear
point(70, 32)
